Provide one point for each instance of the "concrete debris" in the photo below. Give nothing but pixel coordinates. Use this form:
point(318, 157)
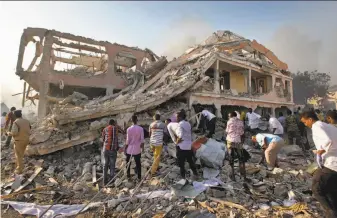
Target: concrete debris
point(137, 81)
point(118, 81)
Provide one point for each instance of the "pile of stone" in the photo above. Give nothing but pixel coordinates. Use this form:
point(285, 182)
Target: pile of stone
point(76, 173)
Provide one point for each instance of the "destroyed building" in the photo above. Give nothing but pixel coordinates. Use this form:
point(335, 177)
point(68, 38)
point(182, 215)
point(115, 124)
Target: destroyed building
point(225, 71)
point(221, 72)
point(64, 62)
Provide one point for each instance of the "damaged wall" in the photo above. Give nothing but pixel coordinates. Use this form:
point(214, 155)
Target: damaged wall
point(74, 61)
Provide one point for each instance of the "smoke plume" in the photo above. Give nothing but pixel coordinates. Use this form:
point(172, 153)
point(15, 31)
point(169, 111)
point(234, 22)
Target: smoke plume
point(184, 33)
point(309, 43)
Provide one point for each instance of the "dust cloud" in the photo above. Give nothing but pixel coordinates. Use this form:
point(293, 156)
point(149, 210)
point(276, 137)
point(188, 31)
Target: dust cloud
point(309, 43)
point(184, 33)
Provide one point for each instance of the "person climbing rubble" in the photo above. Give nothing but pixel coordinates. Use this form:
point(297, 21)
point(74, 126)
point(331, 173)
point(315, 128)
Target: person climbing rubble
point(271, 145)
point(156, 132)
point(134, 146)
point(331, 117)
point(325, 178)
point(20, 132)
point(110, 146)
point(253, 121)
point(9, 123)
point(182, 137)
point(235, 130)
point(275, 127)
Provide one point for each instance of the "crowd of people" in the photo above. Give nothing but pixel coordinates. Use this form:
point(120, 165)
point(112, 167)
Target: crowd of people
point(178, 130)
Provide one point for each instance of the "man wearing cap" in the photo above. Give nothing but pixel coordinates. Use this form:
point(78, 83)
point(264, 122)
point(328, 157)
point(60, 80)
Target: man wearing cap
point(20, 132)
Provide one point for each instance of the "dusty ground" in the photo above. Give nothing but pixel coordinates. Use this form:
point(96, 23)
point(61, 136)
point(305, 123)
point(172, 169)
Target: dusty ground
point(70, 163)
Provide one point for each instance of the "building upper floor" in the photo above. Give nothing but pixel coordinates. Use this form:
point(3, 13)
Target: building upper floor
point(237, 67)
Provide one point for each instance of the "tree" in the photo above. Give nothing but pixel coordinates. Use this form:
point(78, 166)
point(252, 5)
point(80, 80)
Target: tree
point(310, 84)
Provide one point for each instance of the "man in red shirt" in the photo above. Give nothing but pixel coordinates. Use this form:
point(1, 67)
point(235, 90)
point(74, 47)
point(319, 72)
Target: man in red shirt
point(9, 123)
point(110, 146)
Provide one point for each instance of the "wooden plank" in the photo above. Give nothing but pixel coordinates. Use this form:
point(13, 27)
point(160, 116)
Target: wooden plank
point(24, 192)
point(228, 204)
point(94, 179)
point(37, 171)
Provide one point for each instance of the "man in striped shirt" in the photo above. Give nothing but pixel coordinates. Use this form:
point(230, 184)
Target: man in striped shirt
point(110, 146)
point(156, 130)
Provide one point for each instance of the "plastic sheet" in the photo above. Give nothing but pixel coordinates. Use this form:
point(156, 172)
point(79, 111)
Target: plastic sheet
point(61, 210)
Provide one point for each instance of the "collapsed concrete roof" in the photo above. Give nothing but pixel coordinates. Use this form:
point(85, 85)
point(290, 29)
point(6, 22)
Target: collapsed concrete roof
point(183, 74)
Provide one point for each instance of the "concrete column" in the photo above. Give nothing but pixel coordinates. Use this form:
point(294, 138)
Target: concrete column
point(216, 79)
point(250, 81)
point(138, 63)
point(110, 73)
point(44, 71)
point(273, 79)
point(291, 90)
point(273, 111)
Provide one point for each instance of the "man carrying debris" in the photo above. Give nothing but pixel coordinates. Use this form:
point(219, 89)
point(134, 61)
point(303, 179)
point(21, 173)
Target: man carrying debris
point(156, 131)
point(275, 127)
point(331, 117)
point(134, 145)
point(271, 145)
point(235, 130)
point(20, 132)
point(325, 178)
point(110, 142)
point(183, 141)
point(253, 121)
point(9, 123)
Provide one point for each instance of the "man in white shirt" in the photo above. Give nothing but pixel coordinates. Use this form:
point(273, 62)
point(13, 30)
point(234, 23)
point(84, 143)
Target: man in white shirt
point(253, 120)
point(181, 134)
point(324, 181)
point(275, 127)
point(211, 121)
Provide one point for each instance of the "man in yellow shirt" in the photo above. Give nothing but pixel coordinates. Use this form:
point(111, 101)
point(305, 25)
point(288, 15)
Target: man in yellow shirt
point(20, 132)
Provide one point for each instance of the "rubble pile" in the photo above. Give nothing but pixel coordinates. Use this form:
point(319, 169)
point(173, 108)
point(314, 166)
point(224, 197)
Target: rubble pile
point(75, 174)
point(64, 162)
point(147, 88)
